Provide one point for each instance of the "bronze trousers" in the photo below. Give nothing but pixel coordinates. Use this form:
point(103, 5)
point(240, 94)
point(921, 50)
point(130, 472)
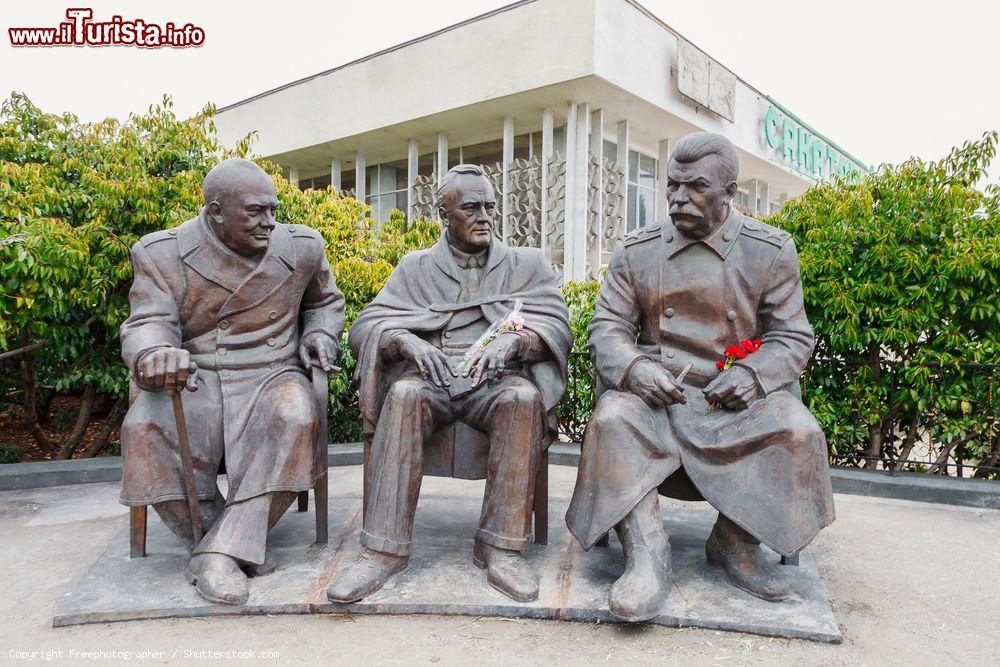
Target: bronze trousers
point(509, 411)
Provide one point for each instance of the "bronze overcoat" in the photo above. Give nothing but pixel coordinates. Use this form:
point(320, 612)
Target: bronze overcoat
point(254, 401)
point(676, 300)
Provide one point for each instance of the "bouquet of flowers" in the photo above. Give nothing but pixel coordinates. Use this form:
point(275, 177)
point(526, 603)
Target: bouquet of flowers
point(512, 322)
point(733, 354)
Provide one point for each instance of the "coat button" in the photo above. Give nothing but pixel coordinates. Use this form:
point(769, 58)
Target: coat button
point(727, 237)
point(669, 312)
point(670, 238)
point(224, 372)
point(731, 315)
point(272, 315)
point(448, 334)
point(223, 351)
point(271, 342)
point(172, 232)
point(670, 354)
point(224, 324)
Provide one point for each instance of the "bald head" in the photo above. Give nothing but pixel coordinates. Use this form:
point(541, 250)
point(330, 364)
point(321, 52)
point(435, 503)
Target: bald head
point(230, 177)
point(240, 204)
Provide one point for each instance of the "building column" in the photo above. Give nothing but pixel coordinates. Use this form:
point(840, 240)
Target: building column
point(360, 180)
point(336, 168)
point(577, 136)
point(293, 175)
point(442, 156)
point(622, 160)
point(662, 162)
point(412, 168)
point(508, 160)
point(546, 156)
point(753, 188)
point(595, 237)
point(765, 199)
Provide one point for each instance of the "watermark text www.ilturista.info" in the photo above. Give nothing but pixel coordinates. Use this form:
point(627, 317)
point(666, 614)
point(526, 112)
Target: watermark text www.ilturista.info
point(82, 30)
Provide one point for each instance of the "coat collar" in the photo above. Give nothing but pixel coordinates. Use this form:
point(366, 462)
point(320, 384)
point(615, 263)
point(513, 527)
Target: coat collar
point(208, 258)
point(721, 240)
point(445, 259)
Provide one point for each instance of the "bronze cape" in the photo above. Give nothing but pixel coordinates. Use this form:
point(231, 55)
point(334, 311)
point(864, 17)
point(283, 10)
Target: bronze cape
point(254, 405)
point(675, 300)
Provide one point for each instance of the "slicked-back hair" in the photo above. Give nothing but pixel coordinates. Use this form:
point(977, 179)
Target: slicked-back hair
point(223, 177)
point(695, 146)
point(447, 182)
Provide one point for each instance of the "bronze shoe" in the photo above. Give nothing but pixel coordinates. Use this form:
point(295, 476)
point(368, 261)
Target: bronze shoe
point(367, 574)
point(506, 571)
point(640, 593)
point(218, 578)
point(735, 551)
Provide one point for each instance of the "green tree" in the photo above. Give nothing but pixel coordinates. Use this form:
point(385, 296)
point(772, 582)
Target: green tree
point(899, 272)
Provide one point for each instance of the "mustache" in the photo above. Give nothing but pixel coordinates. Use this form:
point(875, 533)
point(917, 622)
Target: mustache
point(686, 211)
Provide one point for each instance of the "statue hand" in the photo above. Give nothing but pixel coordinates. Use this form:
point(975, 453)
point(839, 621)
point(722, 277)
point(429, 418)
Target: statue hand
point(488, 363)
point(320, 347)
point(654, 384)
point(169, 369)
point(735, 388)
point(432, 362)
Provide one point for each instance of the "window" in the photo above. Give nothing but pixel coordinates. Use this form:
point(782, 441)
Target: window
point(386, 189)
point(742, 198)
point(641, 190)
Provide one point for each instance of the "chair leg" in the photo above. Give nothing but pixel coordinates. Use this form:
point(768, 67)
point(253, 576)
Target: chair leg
point(303, 501)
point(137, 531)
point(603, 542)
point(541, 505)
point(321, 490)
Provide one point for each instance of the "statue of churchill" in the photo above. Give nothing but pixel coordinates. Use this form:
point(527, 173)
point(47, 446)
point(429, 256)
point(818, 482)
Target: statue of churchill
point(234, 308)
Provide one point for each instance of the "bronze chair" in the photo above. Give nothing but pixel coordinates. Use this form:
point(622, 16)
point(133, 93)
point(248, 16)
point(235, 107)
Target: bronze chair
point(138, 515)
point(462, 452)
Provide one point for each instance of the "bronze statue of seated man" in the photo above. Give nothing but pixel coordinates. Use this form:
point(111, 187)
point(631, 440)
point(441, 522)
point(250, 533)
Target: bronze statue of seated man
point(418, 370)
point(236, 307)
point(676, 296)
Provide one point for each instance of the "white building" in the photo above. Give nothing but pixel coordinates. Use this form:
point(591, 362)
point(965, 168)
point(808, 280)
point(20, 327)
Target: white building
point(570, 105)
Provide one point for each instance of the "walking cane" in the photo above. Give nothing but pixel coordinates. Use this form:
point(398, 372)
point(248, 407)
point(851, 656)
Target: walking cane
point(187, 464)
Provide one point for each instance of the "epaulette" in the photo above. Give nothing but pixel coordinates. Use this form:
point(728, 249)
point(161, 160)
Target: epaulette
point(764, 232)
point(642, 234)
point(161, 235)
point(301, 230)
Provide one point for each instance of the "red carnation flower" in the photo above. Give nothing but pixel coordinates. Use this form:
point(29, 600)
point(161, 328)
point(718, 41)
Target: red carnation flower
point(735, 352)
point(720, 364)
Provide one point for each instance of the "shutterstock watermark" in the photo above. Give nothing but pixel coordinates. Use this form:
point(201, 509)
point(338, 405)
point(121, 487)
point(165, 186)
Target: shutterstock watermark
point(82, 30)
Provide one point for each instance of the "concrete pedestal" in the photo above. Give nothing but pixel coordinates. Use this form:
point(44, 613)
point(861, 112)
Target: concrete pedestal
point(441, 578)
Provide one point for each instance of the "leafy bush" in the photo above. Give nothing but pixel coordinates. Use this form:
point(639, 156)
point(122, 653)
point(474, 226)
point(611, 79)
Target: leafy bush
point(9, 454)
point(900, 275)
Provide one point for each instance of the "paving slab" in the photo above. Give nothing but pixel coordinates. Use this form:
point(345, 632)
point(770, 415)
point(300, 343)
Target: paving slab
point(441, 578)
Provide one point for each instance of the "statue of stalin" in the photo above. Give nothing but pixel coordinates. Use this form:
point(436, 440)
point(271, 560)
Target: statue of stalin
point(680, 293)
point(233, 307)
point(410, 343)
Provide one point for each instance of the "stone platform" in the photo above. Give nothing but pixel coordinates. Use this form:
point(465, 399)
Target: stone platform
point(441, 578)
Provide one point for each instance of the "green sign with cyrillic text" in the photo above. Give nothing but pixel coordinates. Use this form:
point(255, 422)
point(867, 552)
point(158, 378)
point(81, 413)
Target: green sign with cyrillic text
point(798, 146)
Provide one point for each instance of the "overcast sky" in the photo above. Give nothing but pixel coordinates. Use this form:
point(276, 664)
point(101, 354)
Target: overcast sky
point(884, 79)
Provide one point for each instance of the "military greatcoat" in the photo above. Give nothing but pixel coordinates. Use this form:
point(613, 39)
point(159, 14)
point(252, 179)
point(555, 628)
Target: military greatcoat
point(242, 325)
point(675, 300)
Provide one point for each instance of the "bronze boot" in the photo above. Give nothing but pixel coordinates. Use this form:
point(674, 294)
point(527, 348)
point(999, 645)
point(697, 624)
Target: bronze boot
point(218, 578)
point(640, 592)
point(506, 571)
point(365, 575)
point(738, 553)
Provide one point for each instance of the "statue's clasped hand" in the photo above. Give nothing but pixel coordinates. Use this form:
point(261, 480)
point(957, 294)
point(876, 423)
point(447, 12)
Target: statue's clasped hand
point(735, 388)
point(654, 384)
point(488, 363)
point(168, 369)
point(322, 348)
point(432, 363)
